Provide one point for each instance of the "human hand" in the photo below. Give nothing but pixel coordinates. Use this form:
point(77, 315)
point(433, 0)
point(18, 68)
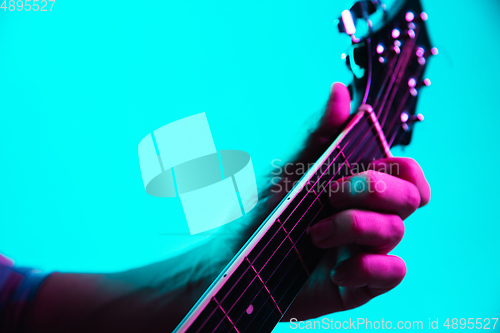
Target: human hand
point(368, 226)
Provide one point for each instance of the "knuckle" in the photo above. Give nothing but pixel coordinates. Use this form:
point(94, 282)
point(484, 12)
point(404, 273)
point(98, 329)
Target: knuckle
point(413, 169)
point(371, 176)
point(355, 221)
point(376, 185)
point(364, 266)
point(397, 228)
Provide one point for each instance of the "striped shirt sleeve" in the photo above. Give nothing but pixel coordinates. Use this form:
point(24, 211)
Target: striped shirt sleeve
point(18, 288)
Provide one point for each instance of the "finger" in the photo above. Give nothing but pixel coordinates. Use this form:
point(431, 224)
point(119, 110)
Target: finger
point(336, 113)
point(407, 169)
point(379, 232)
point(380, 271)
point(365, 276)
point(377, 191)
point(337, 109)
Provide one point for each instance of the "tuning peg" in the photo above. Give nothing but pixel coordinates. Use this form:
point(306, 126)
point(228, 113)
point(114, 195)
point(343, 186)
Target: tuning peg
point(360, 10)
point(346, 23)
point(408, 120)
point(409, 16)
point(424, 83)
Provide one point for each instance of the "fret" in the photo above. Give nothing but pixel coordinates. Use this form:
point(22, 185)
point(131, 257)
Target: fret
point(266, 265)
point(249, 291)
point(258, 300)
point(282, 261)
point(310, 187)
point(225, 314)
point(302, 216)
point(360, 138)
point(346, 162)
point(327, 170)
point(272, 239)
point(286, 291)
point(242, 281)
point(373, 150)
point(209, 319)
point(302, 222)
point(378, 130)
point(292, 244)
point(298, 204)
point(261, 282)
point(360, 148)
point(264, 286)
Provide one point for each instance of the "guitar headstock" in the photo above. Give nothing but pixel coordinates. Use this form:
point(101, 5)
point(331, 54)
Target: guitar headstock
point(388, 64)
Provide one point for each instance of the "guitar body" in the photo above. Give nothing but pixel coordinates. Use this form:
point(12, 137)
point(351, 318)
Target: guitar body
point(262, 280)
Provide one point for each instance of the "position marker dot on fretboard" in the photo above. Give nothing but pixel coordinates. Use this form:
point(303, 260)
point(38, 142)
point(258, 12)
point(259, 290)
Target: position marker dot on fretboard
point(250, 309)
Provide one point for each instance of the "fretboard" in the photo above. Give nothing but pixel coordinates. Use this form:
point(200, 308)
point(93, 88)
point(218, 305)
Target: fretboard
point(257, 292)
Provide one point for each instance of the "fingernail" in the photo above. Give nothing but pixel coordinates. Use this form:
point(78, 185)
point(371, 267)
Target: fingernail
point(337, 275)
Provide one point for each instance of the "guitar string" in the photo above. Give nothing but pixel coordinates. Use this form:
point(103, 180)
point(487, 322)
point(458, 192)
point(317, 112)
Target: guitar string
point(264, 248)
point(391, 125)
point(288, 233)
point(369, 80)
point(402, 103)
point(408, 48)
point(391, 83)
point(303, 233)
point(392, 66)
point(257, 256)
point(346, 160)
point(303, 214)
point(406, 55)
point(296, 257)
point(317, 197)
point(248, 268)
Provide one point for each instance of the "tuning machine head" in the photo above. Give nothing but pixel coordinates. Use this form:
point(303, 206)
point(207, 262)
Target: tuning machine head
point(407, 120)
point(360, 10)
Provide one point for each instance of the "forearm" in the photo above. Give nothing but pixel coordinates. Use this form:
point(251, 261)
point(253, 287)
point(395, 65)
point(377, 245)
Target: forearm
point(151, 298)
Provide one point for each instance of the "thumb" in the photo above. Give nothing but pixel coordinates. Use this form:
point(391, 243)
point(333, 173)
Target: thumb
point(320, 137)
point(336, 114)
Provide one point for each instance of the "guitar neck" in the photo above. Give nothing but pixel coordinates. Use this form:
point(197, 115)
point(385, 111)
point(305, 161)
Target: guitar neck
point(259, 284)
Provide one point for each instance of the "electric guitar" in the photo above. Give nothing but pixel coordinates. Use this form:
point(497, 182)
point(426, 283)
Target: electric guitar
point(262, 280)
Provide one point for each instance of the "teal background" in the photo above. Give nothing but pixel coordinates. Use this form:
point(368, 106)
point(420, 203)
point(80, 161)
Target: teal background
point(81, 86)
